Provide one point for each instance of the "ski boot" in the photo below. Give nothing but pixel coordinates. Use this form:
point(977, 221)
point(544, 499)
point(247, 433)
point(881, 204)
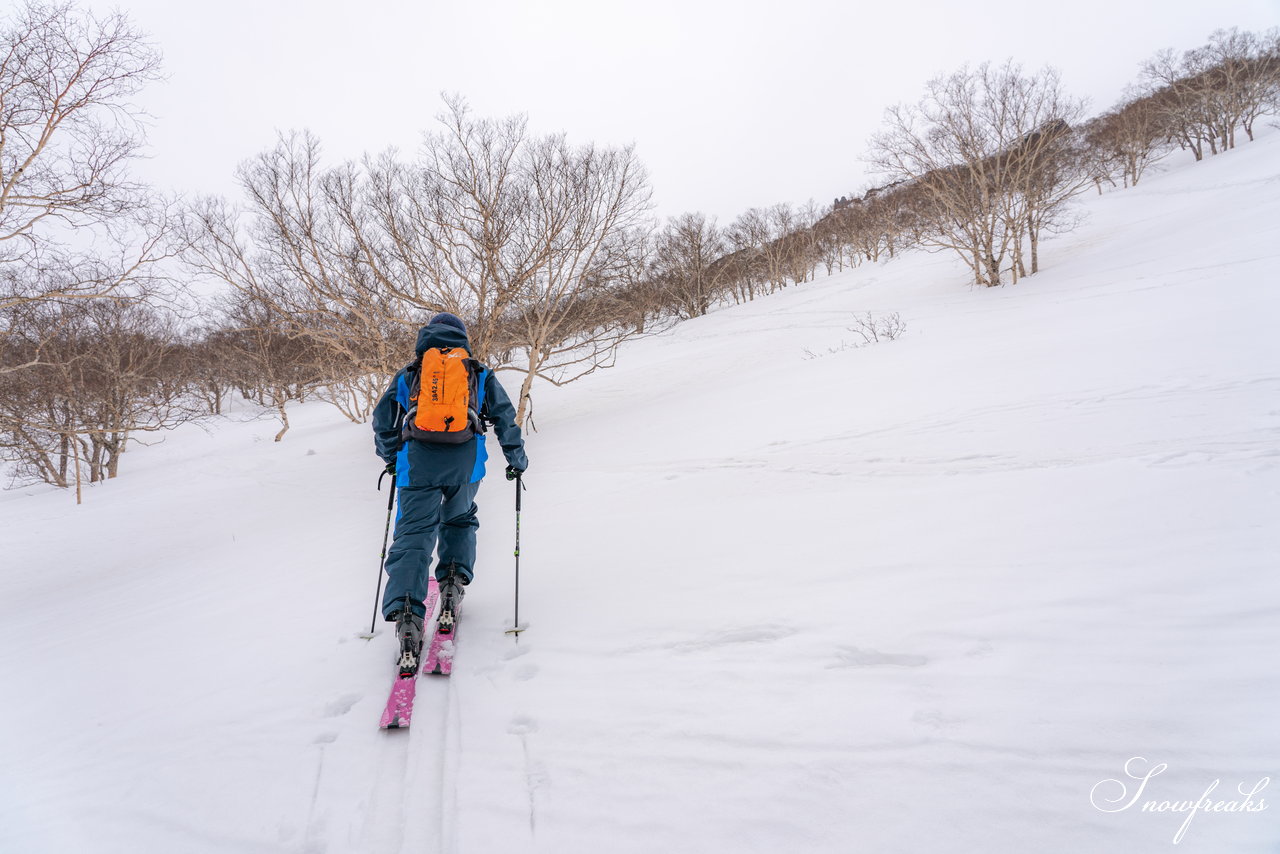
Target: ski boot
point(409, 632)
point(452, 588)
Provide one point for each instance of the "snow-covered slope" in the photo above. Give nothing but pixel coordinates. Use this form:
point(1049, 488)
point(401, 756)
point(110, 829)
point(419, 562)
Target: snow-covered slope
point(920, 596)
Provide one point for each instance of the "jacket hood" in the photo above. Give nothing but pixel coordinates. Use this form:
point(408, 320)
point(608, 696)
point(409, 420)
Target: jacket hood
point(441, 335)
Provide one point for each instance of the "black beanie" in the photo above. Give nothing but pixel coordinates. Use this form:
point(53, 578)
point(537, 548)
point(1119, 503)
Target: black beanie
point(449, 320)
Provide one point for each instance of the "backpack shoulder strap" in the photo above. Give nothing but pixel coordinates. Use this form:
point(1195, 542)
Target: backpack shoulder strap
point(411, 372)
point(481, 376)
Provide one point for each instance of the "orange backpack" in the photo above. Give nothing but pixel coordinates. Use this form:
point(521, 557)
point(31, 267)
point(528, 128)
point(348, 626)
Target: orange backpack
point(444, 397)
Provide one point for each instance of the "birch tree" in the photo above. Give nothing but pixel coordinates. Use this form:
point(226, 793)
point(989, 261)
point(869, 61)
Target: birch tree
point(684, 263)
point(523, 236)
point(68, 133)
point(589, 214)
point(983, 160)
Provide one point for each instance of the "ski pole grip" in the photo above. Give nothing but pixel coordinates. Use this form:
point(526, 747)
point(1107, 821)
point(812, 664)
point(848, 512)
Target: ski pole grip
point(519, 489)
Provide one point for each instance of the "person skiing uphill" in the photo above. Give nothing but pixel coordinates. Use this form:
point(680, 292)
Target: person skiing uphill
point(438, 465)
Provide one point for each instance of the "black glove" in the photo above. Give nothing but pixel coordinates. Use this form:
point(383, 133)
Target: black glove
point(513, 472)
point(391, 468)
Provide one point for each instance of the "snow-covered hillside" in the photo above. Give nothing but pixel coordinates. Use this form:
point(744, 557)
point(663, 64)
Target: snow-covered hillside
point(917, 597)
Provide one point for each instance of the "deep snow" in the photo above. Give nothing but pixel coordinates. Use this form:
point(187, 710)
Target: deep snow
point(919, 596)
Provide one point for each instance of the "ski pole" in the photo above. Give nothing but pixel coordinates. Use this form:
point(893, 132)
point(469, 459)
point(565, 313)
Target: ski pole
point(382, 562)
point(515, 626)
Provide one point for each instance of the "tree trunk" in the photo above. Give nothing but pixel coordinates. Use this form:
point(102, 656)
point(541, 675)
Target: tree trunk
point(95, 459)
point(113, 455)
point(522, 408)
point(284, 417)
point(75, 449)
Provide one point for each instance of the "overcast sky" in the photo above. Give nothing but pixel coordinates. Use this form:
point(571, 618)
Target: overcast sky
point(730, 104)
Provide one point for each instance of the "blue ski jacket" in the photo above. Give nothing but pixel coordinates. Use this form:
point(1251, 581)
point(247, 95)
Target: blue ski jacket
point(426, 464)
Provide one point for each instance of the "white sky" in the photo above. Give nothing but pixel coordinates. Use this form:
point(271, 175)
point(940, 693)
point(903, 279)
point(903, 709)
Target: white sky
point(730, 104)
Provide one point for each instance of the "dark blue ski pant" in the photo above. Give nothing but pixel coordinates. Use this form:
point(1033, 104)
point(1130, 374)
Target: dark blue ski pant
point(425, 514)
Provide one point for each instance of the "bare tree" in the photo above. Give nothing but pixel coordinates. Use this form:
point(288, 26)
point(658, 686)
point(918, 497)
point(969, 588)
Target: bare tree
point(589, 214)
point(1181, 89)
point(1126, 140)
point(873, 329)
point(466, 205)
point(767, 237)
point(637, 296)
point(984, 152)
point(1045, 170)
point(868, 224)
point(780, 250)
point(208, 365)
point(746, 237)
point(113, 372)
point(829, 241)
point(1204, 94)
point(684, 263)
point(523, 236)
point(1246, 70)
point(805, 250)
point(274, 361)
point(67, 135)
point(87, 365)
point(306, 251)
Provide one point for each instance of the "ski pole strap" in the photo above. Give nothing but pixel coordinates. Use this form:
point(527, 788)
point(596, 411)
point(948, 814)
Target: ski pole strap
point(391, 494)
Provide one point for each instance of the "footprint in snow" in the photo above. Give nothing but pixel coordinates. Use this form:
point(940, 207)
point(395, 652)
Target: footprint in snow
point(522, 725)
point(342, 705)
point(852, 656)
point(980, 650)
point(935, 720)
point(729, 637)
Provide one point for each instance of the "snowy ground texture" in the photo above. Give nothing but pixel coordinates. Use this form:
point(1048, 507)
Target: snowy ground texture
point(916, 597)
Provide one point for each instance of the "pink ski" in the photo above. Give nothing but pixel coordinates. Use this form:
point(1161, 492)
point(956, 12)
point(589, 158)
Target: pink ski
point(399, 710)
point(440, 655)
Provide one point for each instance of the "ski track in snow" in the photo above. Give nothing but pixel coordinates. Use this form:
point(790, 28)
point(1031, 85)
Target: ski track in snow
point(918, 596)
